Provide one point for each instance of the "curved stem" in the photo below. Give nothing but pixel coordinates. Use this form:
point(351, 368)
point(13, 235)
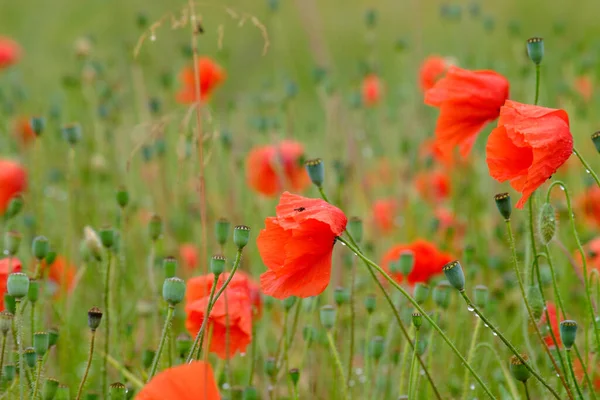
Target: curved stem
point(423, 313)
point(507, 343)
point(161, 344)
point(586, 166)
point(501, 363)
point(470, 355)
point(575, 383)
point(197, 343)
point(89, 363)
point(338, 363)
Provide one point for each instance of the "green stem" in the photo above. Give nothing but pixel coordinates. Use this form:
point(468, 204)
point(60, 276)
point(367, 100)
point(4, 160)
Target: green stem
point(2, 351)
point(405, 353)
point(89, 364)
point(526, 391)
point(532, 234)
point(470, 356)
point(507, 343)
point(585, 372)
point(366, 351)
point(575, 383)
point(537, 84)
point(161, 344)
point(352, 324)
point(411, 375)
point(555, 283)
point(502, 363)
point(587, 166)
point(19, 323)
point(106, 323)
point(338, 363)
point(32, 321)
point(423, 313)
point(37, 379)
point(200, 333)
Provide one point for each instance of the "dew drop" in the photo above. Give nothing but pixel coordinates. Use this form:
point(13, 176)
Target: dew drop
point(562, 188)
point(358, 371)
point(495, 334)
point(422, 372)
point(362, 379)
point(476, 315)
point(486, 325)
point(225, 386)
point(471, 309)
point(587, 170)
point(472, 386)
point(242, 354)
point(351, 383)
point(153, 37)
point(558, 375)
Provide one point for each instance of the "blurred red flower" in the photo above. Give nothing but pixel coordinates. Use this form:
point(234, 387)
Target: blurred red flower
point(10, 52)
point(528, 146)
point(210, 76)
point(585, 87)
point(592, 256)
point(13, 180)
point(428, 260)
point(7, 266)
point(433, 186)
point(273, 168)
point(429, 149)
point(297, 245)
point(235, 316)
point(61, 273)
point(579, 372)
point(372, 90)
point(467, 100)
point(553, 314)
point(384, 213)
point(23, 130)
point(432, 68)
point(589, 203)
point(188, 254)
point(193, 381)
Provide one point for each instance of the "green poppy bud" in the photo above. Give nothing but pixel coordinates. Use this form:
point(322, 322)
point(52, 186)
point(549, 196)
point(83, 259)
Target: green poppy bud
point(33, 293)
point(454, 274)
point(40, 247)
point(417, 320)
point(316, 171)
point(155, 227)
point(535, 49)
point(107, 237)
point(147, 358)
point(441, 294)
point(37, 125)
point(169, 266)
point(41, 343)
point(17, 285)
point(421, 292)
point(376, 347)
point(222, 231)
point(596, 140)
point(183, 343)
point(547, 223)
point(341, 296)
point(327, 315)
point(250, 393)
point(173, 291)
point(9, 372)
point(72, 133)
point(504, 205)
point(94, 318)
point(6, 319)
point(518, 370)
point(294, 375)
point(30, 357)
point(10, 303)
point(12, 241)
point(481, 295)
point(117, 391)
point(49, 389)
point(14, 206)
point(568, 331)
point(122, 196)
point(52, 336)
point(241, 235)
point(271, 366)
point(536, 301)
point(406, 262)
point(370, 303)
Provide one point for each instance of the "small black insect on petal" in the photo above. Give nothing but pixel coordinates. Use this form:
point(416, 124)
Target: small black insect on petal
point(300, 209)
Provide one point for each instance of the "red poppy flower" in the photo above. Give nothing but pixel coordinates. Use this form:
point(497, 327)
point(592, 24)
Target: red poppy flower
point(234, 314)
point(372, 90)
point(585, 87)
point(384, 213)
point(432, 69)
point(193, 381)
point(528, 146)
point(589, 203)
point(61, 274)
point(10, 52)
point(467, 100)
point(23, 130)
point(579, 372)
point(433, 186)
point(210, 75)
point(428, 260)
point(6, 268)
point(13, 180)
point(553, 314)
point(272, 168)
point(592, 253)
point(297, 245)
point(188, 253)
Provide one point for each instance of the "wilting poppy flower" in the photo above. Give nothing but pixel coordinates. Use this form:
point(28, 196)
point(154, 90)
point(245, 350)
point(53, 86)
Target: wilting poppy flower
point(433, 186)
point(10, 52)
point(61, 274)
point(297, 245)
point(553, 314)
point(193, 381)
point(432, 69)
point(210, 75)
point(273, 168)
point(23, 130)
point(528, 146)
point(371, 90)
point(384, 213)
point(188, 253)
point(584, 86)
point(467, 100)
point(233, 314)
point(589, 203)
point(428, 260)
point(7, 266)
point(13, 180)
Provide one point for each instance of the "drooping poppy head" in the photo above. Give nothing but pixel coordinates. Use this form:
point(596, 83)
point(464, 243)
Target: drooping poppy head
point(193, 381)
point(585, 87)
point(13, 180)
point(10, 52)
point(271, 169)
point(7, 266)
point(433, 186)
point(232, 312)
point(467, 100)
point(210, 76)
point(384, 214)
point(188, 254)
point(589, 203)
point(432, 69)
point(553, 314)
point(528, 146)
point(23, 130)
point(428, 260)
point(371, 90)
point(60, 275)
point(296, 246)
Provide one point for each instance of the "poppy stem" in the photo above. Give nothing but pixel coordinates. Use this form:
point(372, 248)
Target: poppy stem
point(338, 363)
point(507, 343)
point(106, 323)
point(89, 364)
point(470, 356)
point(38, 374)
point(419, 309)
point(411, 375)
point(575, 383)
point(526, 391)
point(591, 389)
point(537, 84)
point(161, 344)
point(588, 169)
point(2, 350)
point(510, 381)
point(19, 317)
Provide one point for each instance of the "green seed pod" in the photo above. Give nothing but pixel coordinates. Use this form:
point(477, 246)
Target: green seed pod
point(547, 223)
point(441, 294)
point(92, 396)
point(107, 237)
point(14, 206)
point(504, 205)
point(294, 375)
point(71, 133)
point(94, 318)
point(217, 264)
point(41, 343)
point(376, 347)
point(316, 171)
point(147, 358)
point(370, 303)
point(222, 231)
point(289, 302)
point(271, 366)
point(17, 285)
point(40, 247)
point(10, 303)
point(341, 296)
point(30, 357)
point(421, 292)
point(518, 370)
point(50, 258)
point(536, 301)
point(417, 319)
point(250, 393)
point(183, 343)
point(481, 295)
point(395, 266)
point(422, 345)
point(37, 125)
point(49, 389)
point(454, 273)
point(122, 197)
point(568, 332)
point(309, 334)
point(169, 266)
point(12, 241)
point(535, 49)
point(52, 336)
point(62, 393)
point(355, 228)
point(596, 140)
point(406, 262)
point(33, 293)
point(327, 315)
point(9, 372)
point(117, 391)
point(6, 319)
point(371, 18)
point(155, 227)
point(173, 290)
point(241, 235)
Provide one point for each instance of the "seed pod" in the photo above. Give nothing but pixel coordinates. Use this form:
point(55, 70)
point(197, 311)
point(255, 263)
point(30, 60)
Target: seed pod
point(547, 223)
